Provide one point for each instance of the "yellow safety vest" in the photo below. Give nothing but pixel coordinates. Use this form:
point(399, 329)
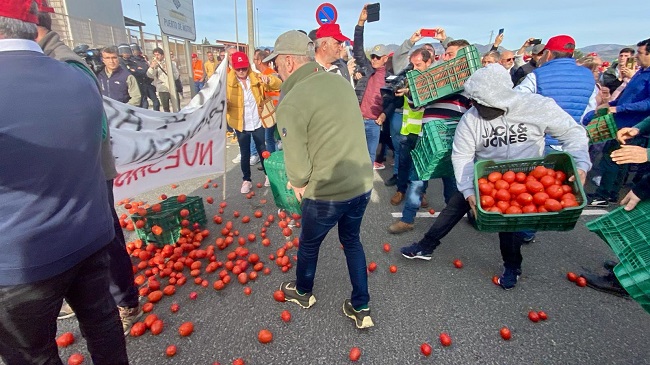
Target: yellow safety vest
point(411, 120)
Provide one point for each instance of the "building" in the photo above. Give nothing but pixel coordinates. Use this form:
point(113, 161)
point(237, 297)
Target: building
point(95, 23)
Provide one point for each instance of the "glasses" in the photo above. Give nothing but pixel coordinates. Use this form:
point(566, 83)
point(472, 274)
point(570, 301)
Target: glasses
point(375, 57)
point(509, 59)
point(241, 69)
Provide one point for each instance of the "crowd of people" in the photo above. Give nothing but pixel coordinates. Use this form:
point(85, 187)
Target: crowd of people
point(323, 87)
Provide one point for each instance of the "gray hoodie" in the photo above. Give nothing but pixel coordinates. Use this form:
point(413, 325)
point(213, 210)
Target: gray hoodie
point(518, 134)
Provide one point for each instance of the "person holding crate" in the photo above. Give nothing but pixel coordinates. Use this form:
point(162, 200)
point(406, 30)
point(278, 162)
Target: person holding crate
point(502, 125)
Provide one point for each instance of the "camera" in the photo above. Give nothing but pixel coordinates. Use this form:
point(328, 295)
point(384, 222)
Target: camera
point(396, 82)
point(92, 56)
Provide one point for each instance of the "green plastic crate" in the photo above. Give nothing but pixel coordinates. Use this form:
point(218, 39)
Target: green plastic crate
point(563, 220)
point(284, 198)
point(444, 79)
point(432, 154)
point(169, 220)
point(601, 129)
point(628, 235)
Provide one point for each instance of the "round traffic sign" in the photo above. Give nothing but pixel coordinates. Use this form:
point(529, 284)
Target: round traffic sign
point(326, 13)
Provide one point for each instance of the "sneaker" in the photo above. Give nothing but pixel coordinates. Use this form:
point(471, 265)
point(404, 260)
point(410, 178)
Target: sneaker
point(129, 316)
point(607, 284)
point(528, 239)
point(596, 180)
point(508, 279)
point(424, 203)
point(255, 159)
point(65, 311)
point(609, 265)
point(291, 295)
point(246, 187)
point(392, 181)
point(597, 201)
point(400, 227)
point(237, 159)
point(397, 198)
point(267, 182)
point(361, 318)
point(416, 251)
point(378, 166)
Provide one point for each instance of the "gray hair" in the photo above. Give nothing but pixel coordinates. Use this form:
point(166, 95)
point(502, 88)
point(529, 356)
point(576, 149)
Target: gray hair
point(17, 29)
point(110, 50)
point(318, 43)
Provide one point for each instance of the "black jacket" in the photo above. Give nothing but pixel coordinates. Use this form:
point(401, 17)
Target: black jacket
point(362, 62)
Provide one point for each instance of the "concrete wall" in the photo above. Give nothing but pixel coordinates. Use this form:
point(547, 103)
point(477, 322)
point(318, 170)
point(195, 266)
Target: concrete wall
point(108, 12)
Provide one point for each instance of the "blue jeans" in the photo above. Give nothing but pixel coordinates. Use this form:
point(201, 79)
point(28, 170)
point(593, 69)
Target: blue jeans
point(198, 85)
point(318, 218)
point(244, 139)
point(372, 137)
point(395, 127)
point(414, 193)
point(29, 312)
point(407, 144)
point(270, 138)
point(456, 208)
point(149, 92)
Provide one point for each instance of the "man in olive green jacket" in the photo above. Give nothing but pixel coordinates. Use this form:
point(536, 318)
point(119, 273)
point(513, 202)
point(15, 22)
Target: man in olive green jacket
point(327, 165)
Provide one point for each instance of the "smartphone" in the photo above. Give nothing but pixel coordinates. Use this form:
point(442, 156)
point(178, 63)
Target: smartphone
point(630, 63)
point(501, 31)
point(536, 41)
point(373, 12)
point(428, 32)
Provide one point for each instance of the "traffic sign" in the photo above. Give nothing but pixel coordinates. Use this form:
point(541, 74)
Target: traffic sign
point(326, 14)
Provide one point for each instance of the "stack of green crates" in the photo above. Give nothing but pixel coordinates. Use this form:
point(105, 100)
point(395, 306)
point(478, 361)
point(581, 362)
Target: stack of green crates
point(275, 170)
point(432, 154)
point(601, 129)
point(628, 235)
point(444, 79)
point(169, 219)
point(562, 220)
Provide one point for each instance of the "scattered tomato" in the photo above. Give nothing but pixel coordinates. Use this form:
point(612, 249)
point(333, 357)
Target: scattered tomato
point(372, 266)
point(138, 329)
point(186, 329)
point(505, 333)
point(425, 349)
point(170, 351)
point(278, 295)
point(264, 336)
point(581, 282)
point(175, 307)
point(392, 269)
point(542, 315)
point(355, 354)
point(386, 247)
point(285, 315)
point(458, 264)
point(533, 316)
point(445, 340)
point(76, 359)
point(65, 340)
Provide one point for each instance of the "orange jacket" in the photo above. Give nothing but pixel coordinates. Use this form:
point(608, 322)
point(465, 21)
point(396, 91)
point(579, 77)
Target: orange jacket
point(197, 67)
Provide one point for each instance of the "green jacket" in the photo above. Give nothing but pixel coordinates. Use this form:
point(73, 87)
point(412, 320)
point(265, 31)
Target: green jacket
point(323, 136)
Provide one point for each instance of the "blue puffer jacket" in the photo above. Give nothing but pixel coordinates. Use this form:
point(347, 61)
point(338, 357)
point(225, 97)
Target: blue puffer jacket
point(568, 84)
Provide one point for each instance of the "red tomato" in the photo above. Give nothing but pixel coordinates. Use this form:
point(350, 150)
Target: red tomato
point(355, 354)
point(540, 198)
point(572, 276)
point(513, 210)
point(553, 205)
point(547, 180)
point(485, 188)
point(170, 351)
point(487, 201)
point(503, 195)
point(494, 176)
point(503, 205)
point(285, 315)
point(482, 180)
point(517, 188)
point(533, 316)
point(534, 187)
point(157, 327)
point(509, 177)
point(538, 172)
point(550, 172)
point(264, 336)
point(425, 349)
point(150, 319)
point(138, 329)
point(501, 184)
point(392, 269)
point(515, 203)
point(568, 203)
point(75, 359)
point(581, 282)
point(266, 154)
point(560, 175)
point(186, 329)
point(531, 208)
point(520, 177)
point(524, 199)
point(445, 340)
point(372, 266)
point(65, 339)
point(569, 196)
point(542, 315)
point(505, 333)
point(567, 188)
point(555, 191)
point(494, 210)
point(458, 264)
point(278, 295)
point(541, 209)
point(386, 247)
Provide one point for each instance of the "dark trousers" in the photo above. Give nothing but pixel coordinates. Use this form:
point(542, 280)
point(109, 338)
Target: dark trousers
point(613, 175)
point(165, 96)
point(407, 144)
point(318, 218)
point(122, 288)
point(149, 92)
point(29, 312)
point(244, 139)
point(457, 207)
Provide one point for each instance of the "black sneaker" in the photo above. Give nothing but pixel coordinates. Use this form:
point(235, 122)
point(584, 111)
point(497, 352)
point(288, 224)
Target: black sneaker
point(291, 295)
point(361, 318)
point(392, 181)
point(509, 278)
point(606, 284)
point(609, 265)
point(416, 251)
point(598, 201)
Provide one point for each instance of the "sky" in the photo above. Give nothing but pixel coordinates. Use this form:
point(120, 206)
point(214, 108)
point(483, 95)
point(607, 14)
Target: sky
point(587, 21)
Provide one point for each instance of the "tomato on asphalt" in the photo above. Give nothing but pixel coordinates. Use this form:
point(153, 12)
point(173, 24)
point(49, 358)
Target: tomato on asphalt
point(533, 316)
point(425, 349)
point(445, 340)
point(542, 315)
point(170, 350)
point(355, 354)
point(75, 359)
point(572, 276)
point(505, 333)
point(65, 340)
point(264, 336)
point(186, 329)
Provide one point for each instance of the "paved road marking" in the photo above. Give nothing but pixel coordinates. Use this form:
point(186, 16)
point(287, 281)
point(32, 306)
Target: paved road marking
point(427, 215)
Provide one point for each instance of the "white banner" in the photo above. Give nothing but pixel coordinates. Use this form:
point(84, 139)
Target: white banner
point(153, 149)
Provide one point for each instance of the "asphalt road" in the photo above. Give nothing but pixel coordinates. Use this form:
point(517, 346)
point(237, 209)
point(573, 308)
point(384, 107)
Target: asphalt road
point(409, 307)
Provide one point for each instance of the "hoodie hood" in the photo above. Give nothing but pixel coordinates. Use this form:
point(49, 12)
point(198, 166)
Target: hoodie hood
point(491, 86)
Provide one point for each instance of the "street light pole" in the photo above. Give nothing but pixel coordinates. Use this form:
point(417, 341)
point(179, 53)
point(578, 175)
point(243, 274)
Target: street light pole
point(251, 29)
point(236, 27)
point(140, 10)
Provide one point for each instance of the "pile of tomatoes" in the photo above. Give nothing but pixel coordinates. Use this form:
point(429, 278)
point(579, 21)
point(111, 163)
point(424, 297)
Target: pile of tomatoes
point(542, 190)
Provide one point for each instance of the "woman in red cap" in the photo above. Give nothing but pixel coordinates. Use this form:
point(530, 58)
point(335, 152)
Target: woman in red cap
point(244, 93)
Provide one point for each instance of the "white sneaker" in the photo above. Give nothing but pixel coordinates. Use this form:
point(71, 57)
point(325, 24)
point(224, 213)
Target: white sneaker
point(255, 159)
point(267, 182)
point(246, 187)
point(237, 159)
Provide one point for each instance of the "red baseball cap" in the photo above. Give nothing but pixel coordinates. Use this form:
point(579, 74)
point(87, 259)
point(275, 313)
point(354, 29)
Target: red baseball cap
point(239, 60)
point(43, 8)
point(331, 30)
point(18, 9)
point(194, 55)
point(561, 43)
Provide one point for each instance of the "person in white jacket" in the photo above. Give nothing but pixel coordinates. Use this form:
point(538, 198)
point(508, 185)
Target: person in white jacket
point(502, 125)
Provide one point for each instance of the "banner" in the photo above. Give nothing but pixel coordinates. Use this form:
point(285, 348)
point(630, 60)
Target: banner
point(154, 149)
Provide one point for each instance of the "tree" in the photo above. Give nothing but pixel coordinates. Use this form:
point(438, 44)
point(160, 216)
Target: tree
point(578, 54)
point(206, 41)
